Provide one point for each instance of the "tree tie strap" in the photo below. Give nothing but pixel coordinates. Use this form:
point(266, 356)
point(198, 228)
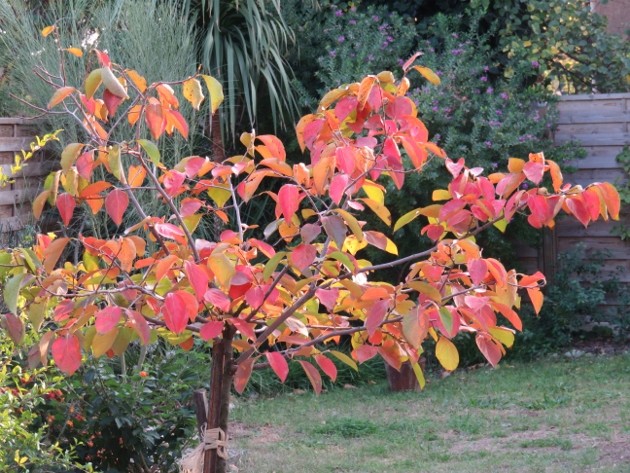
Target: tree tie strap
point(215, 439)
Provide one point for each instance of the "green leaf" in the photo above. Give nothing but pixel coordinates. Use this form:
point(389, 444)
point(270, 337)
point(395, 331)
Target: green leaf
point(151, 149)
point(343, 259)
point(12, 291)
point(501, 225)
point(272, 264)
point(405, 219)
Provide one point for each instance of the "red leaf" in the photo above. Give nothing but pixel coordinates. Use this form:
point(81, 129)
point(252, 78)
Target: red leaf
point(14, 327)
point(244, 327)
point(107, 319)
point(140, 325)
point(375, 315)
point(66, 205)
point(365, 353)
point(328, 297)
point(212, 329)
point(172, 182)
point(198, 278)
point(455, 168)
point(534, 171)
point(168, 230)
point(327, 366)
point(180, 307)
point(189, 206)
point(103, 58)
point(302, 256)
point(509, 314)
point(242, 375)
point(116, 203)
point(111, 102)
point(176, 119)
point(338, 185)
point(255, 296)
point(288, 201)
point(278, 364)
point(218, 299)
point(489, 348)
point(66, 352)
point(313, 375)
point(578, 209)
point(478, 270)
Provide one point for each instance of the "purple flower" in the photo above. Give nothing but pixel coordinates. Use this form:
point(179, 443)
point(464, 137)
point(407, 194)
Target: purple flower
point(352, 22)
point(332, 53)
point(338, 13)
point(488, 144)
point(489, 90)
point(499, 112)
point(437, 137)
point(525, 186)
point(494, 123)
point(390, 39)
point(457, 52)
point(435, 108)
point(504, 95)
point(535, 64)
point(370, 57)
point(484, 79)
point(486, 68)
point(494, 165)
point(376, 18)
point(341, 39)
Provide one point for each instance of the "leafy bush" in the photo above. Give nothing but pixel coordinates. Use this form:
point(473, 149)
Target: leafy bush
point(573, 301)
point(134, 418)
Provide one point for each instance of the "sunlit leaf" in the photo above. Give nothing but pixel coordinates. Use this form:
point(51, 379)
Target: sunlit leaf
point(447, 354)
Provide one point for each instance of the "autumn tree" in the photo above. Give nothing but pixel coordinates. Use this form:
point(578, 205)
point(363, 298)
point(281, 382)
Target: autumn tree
point(296, 288)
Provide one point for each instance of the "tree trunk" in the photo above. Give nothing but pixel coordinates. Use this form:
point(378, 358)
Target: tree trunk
point(219, 403)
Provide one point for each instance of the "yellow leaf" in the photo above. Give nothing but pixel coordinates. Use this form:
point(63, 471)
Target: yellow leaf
point(501, 225)
point(419, 375)
point(75, 51)
point(92, 82)
point(440, 194)
point(193, 93)
point(351, 222)
point(103, 342)
point(70, 154)
point(220, 194)
point(49, 29)
point(215, 90)
point(352, 245)
point(504, 335)
point(446, 353)
point(428, 74)
point(222, 268)
point(379, 209)
point(374, 191)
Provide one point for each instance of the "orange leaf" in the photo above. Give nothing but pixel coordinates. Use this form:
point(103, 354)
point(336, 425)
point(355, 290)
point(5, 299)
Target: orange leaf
point(136, 176)
point(242, 375)
point(490, 348)
point(155, 118)
point(53, 252)
point(134, 114)
point(75, 51)
point(59, 96)
point(273, 147)
point(139, 81)
point(365, 88)
point(536, 297)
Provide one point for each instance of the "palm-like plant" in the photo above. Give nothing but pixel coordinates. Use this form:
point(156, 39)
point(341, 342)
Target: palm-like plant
point(243, 43)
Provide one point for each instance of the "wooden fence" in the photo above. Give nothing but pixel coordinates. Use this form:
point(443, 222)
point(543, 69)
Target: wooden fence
point(15, 199)
point(601, 123)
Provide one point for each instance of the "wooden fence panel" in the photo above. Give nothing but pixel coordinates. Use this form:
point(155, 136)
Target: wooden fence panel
point(601, 123)
point(15, 199)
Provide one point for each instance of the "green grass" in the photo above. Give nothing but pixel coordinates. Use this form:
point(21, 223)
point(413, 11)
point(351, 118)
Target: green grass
point(557, 416)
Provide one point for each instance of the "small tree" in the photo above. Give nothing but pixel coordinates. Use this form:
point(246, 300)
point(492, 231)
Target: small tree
point(299, 289)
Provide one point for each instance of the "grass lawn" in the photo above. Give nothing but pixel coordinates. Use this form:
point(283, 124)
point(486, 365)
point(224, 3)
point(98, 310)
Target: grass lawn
point(550, 416)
